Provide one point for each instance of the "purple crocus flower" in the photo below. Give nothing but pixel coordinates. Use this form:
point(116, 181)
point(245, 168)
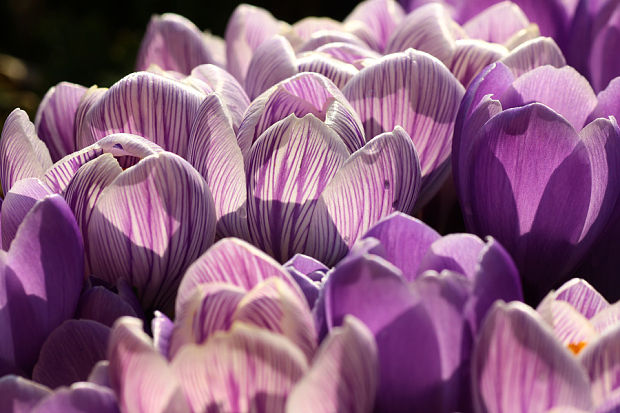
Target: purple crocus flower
point(563, 355)
point(534, 170)
point(410, 287)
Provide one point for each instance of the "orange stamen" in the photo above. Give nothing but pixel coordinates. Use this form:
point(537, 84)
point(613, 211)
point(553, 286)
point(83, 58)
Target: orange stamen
point(577, 347)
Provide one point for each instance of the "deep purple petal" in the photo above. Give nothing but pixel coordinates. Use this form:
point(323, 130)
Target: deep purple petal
point(455, 252)
point(79, 398)
point(20, 395)
point(102, 305)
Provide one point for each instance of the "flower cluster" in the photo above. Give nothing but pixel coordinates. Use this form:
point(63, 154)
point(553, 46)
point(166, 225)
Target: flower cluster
point(238, 226)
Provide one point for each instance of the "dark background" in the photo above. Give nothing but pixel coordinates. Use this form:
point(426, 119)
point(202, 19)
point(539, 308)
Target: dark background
point(43, 42)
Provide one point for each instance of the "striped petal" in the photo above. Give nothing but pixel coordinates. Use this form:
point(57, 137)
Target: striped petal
point(324, 37)
point(273, 61)
point(149, 225)
point(380, 16)
point(417, 92)
point(227, 87)
point(406, 241)
point(572, 97)
point(20, 395)
point(348, 53)
point(140, 376)
point(214, 152)
point(471, 56)
point(173, 43)
point(55, 120)
point(288, 169)
point(145, 104)
point(41, 280)
point(377, 180)
point(602, 362)
point(582, 297)
point(519, 366)
point(372, 290)
point(88, 100)
point(343, 376)
point(308, 26)
point(231, 261)
point(532, 54)
point(497, 23)
point(245, 369)
point(247, 28)
point(570, 327)
point(335, 70)
point(22, 153)
point(607, 318)
point(17, 203)
point(79, 398)
point(70, 353)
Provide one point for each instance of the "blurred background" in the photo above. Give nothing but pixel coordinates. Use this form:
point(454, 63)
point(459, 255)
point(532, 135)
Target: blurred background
point(43, 42)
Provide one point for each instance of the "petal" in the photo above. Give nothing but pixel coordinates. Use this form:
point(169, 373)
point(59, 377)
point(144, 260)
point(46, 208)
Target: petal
point(247, 28)
point(162, 328)
point(582, 296)
point(149, 225)
point(102, 305)
point(324, 37)
point(604, 66)
point(569, 326)
point(335, 70)
point(343, 376)
point(607, 318)
point(602, 362)
point(140, 376)
point(79, 398)
point(70, 353)
point(405, 240)
point(497, 23)
point(41, 281)
point(305, 264)
point(231, 261)
point(173, 43)
point(519, 366)
point(572, 97)
point(22, 153)
point(87, 101)
point(380, 16)
point(471, 56)
point(348, 53)
point(145, 104)
point(458, 253)
point(417, 92)
point(308, 26)
point(532, 54)
point(532, 31)
point(100, 374)
point(17, 202)
point(373, 291)
point(214, 152)
point(55, 120)
point(377, 180)
point(538, 191)
point(226, 86)
point(608, 102)
point(288, 169)
point(20, 395)
point(246, 369)
point(272, 62)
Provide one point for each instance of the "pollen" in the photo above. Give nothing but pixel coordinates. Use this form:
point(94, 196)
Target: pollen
point(576, 347)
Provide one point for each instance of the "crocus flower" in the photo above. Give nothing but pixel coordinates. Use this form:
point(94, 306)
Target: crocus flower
point(410, 285)
point(533, 170)
point(569, 345)
point(19, 395)
point(243, 340)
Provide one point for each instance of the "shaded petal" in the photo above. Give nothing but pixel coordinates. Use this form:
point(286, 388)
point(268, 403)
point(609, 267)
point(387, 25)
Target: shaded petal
point(530, 32)
point(343, 377)
point(532, 54)
point(408, 379)
point(55, 119)
point(417, 92)
point(380, 16)
point(151, 250)
point(308, 26)
point(17, 202)
point(102, 305)
point(608, 102)
point(603, 65)
point(231, 261)
point(173, 43)
point(79, 398)
point(308, 273)
point(88, 100)
point(20, 395)
point(248, 27)
point(217, 47)
point(471, 56)
point(140, 376)
point(272, 62)
point(381, 178)
point(572, 96)
point(602, 361)
point(155, 107)
point(227, 87)
point(70, 352)
point(100, 374)
point(22, 153)
point(518, 365)
point(162, 328)
point(245, 369)
point(582, 296)
point(324, 37)
point(569, 326)
point(335, 70)
point(41, 280)
point(305, 264)
point(405, 240)
point(348, 53)
point(288, 169)
point(214, 152)
point(454, 252)
point(497, 23)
